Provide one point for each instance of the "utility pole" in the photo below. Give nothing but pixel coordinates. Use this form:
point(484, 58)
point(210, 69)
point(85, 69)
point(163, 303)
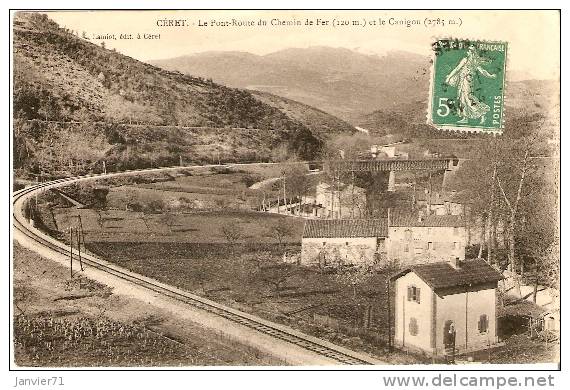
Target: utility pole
point(36, 196)
point(71, 253)
point(104, 168)
point(284, 195)
point(389, 315)
point(81, 237)
point(181, 160)
point(429, 194)
point(263, 201)
point(339, 196)
point(79, 248)
point(352, 189)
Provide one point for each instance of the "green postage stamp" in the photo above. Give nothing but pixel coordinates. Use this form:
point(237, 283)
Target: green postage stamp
point(467, 85)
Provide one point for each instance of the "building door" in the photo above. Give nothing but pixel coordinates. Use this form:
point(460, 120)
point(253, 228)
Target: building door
point(449, 341)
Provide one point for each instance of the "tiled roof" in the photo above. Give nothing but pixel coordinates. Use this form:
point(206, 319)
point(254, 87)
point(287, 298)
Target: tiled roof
point(401, 219)
point(457, 197)
point(331, 228)
point(442, 275)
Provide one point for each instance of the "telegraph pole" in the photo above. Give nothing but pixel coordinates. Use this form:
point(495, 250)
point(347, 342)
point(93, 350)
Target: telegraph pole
point(389, 315)
point(71, 253)
point(80, 238)
point(37, 183)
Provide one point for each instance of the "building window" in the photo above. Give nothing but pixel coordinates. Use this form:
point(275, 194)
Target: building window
point(413, 326)
point(430, 246)
point(413, 294)
point(455, 231)
point(483, 324)
point(406, 248)
point(347, 243)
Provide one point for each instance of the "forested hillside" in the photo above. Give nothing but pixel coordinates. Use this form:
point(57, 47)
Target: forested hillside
point(71, 95)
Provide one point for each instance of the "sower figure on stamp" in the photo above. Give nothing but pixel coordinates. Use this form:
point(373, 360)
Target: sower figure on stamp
point(469, 106)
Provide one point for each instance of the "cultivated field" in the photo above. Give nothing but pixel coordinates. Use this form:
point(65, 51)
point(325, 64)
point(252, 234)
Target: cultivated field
point(81, 323)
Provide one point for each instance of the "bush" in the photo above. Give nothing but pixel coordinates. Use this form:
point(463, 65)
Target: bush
point(155, 206)
point(250, 179)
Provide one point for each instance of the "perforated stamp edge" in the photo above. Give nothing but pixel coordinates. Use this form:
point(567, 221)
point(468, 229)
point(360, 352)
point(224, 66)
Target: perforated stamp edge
point(467, 129)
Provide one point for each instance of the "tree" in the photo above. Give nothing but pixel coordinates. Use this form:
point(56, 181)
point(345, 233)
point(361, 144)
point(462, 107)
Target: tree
point(353, 277)
point(276, 275)
point(476, 180)
point(281, 230)
point(499, 181)
point(547, 268)
point(295, 183)
point(521, 169)
point(538, 235)
point(231, 232)
point(258, 259)
point(332, 171)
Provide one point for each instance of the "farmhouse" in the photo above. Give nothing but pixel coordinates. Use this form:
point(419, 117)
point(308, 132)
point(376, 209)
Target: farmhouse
point(414, 239)
point(335, 242)
point(403, 238)
point(445, 305)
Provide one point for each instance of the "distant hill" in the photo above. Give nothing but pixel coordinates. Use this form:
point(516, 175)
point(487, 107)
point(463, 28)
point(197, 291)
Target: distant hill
point(339, 81)
point(384, 94)
point(62, 82)
point(529, 104)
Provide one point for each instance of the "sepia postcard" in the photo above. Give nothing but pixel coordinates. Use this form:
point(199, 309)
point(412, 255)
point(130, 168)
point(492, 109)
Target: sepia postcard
point(279, 188)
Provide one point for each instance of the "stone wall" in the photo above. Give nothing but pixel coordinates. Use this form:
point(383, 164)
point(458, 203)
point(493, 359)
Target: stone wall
point(337, 251)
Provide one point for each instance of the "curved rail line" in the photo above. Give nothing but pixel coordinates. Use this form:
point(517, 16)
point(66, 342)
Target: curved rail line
point(318, 346)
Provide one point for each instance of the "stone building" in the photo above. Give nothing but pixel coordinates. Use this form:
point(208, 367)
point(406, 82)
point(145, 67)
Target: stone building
point(445, 305)
point(413, 239)
point(402, 239)
point(335, 242)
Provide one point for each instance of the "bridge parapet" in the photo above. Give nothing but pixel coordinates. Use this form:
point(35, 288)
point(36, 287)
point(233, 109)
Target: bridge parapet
point(394, 165)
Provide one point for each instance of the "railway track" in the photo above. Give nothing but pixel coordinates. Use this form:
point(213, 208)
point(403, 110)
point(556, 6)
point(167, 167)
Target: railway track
point(315, 345)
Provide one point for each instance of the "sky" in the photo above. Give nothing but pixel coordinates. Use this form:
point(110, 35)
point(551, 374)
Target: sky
point(533, 36)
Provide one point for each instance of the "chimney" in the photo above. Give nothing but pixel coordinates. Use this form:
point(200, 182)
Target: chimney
point(455, 262)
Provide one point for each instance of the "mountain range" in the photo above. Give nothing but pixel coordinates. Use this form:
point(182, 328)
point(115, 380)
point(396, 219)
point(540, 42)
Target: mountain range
point(77, 103)
point(340, 81)
point(384, 94)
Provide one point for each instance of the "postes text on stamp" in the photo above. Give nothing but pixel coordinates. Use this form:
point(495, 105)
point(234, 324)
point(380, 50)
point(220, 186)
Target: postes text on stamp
point(467, 85)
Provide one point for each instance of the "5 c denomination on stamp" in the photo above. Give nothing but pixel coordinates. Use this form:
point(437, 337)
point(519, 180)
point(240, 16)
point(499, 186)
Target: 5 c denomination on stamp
point(467, 85)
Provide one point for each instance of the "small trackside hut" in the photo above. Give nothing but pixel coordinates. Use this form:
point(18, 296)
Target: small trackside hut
point(443, 305)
